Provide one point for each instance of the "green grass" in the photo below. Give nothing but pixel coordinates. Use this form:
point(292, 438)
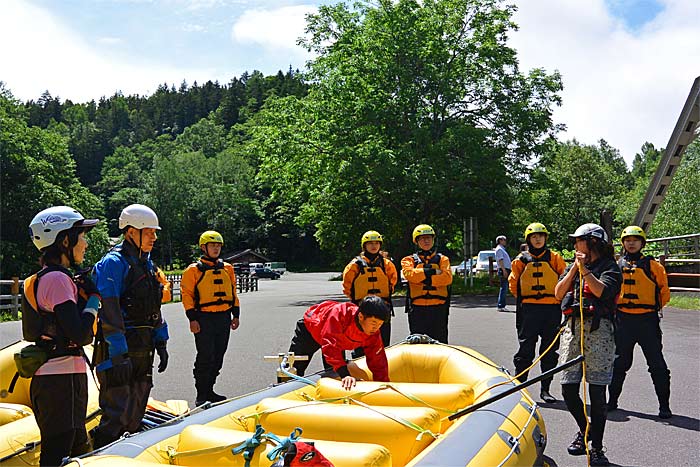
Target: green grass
point(481, 286)
point(6, 315)
point(685, 302)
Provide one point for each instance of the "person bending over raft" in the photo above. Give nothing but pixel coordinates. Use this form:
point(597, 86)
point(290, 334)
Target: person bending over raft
point(336, 327)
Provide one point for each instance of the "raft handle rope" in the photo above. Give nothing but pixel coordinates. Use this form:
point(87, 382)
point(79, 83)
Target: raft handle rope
point(248, 446)
point(27, 447)
point(407, 423)
point(33, 444)
point(359, 394)
point(516, 439)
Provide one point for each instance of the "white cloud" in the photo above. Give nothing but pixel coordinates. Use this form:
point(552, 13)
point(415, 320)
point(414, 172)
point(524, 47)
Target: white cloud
point(53, 57)
point(624, 86)
point(272, 29)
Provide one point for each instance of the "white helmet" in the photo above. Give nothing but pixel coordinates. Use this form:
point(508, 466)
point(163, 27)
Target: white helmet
point(591, 231)
point(46, 225)
point(139, 217)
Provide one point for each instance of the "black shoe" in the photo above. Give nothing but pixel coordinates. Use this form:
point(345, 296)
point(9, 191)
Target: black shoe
point(665, 412)
point(545, 396)
point(199, 402)
point(612, 406)
point(577, 446)
point(598, 457)
point(214, 397)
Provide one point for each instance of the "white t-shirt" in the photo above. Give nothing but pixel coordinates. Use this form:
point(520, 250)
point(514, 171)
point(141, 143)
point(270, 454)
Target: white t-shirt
point(501, 253)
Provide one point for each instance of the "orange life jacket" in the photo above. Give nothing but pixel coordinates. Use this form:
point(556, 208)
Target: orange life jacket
point(214, 287)
point(640, 293)
point(538, 278)
point(371, 279)
point(424, 291)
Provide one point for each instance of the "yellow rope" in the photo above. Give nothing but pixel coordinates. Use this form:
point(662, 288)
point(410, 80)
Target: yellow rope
point(360, 394)
point(513, 378)
point(407, 423)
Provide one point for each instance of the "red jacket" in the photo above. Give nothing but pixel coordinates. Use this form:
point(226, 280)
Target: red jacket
point(334, 326)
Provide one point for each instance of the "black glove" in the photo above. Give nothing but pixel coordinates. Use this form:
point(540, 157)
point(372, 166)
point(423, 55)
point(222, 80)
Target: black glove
point(84, 282)
point(120, 373)
point(162, 352)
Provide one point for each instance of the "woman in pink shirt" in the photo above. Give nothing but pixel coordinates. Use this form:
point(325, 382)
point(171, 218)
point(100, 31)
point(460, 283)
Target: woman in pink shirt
point(52, 319)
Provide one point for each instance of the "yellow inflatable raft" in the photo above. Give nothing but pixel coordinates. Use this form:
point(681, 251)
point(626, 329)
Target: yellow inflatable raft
point(402, 423)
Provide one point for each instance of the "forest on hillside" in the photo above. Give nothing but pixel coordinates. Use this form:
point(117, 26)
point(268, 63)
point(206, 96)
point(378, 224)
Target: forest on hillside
point(410, 113)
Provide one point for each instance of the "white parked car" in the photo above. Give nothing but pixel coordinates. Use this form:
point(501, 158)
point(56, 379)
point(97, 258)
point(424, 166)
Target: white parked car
point(482, 261)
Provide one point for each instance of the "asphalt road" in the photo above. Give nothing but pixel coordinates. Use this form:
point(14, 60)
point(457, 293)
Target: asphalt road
point(634, 435)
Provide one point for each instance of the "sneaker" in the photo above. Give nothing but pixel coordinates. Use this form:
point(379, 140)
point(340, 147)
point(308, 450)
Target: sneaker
point(547, 397)
point(598, 457)
point(503, 310)
point(665, 412)
point(577, 446)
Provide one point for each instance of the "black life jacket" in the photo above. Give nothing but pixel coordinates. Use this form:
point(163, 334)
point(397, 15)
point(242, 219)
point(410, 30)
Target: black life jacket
point(142, 293)
point(592, 305)
point(39, 325)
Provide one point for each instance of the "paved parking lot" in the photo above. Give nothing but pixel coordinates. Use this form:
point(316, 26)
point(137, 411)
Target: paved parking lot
point(634, 435)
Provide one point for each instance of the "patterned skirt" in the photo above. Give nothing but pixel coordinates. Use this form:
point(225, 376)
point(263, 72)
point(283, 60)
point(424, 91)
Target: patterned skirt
point(598, 347)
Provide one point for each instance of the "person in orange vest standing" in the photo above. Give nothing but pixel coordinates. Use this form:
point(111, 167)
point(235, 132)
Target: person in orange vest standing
point(429, 278)
point(532, 281)
point(644, 293)
point(370, 273)
point(211, 305)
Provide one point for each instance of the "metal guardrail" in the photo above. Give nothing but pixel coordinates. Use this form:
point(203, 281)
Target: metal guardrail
point(680, 255)
point(243, 284)
point(13, 300)
point(14, 297)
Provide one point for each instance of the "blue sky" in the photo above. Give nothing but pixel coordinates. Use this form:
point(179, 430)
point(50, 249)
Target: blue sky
point(627, 65)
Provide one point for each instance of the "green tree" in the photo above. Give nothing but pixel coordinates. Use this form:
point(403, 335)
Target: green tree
point(37, 172)
point(203, 183)
point(570, 186)
point(418, 113)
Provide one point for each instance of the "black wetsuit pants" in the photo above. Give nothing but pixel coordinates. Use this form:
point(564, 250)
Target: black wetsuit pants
point(642, 329)
point(60, 404)
point(598, 412)
point(430, 320)
point(211, 342)
point(537, 322)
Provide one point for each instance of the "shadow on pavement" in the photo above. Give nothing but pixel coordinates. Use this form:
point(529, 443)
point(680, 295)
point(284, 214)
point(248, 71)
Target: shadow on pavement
point(552, 463)
point(680, 421)
point(307, 303)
